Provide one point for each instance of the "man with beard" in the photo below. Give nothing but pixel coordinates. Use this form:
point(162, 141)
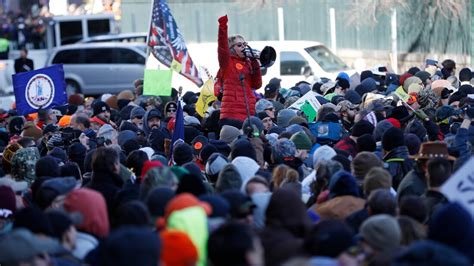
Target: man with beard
point(348, 112)
point(102, 112)
point(152, 120)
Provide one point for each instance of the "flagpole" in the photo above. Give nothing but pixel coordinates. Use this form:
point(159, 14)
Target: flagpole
point(148, 33)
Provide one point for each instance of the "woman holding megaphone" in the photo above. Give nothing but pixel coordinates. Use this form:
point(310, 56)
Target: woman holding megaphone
point(236, 79)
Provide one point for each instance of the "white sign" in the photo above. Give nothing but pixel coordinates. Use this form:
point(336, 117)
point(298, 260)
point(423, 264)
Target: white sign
point(460, 186)
point(310, 96)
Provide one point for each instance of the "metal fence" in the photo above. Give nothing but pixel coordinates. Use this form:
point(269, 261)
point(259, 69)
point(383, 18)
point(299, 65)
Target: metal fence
point(309, 20)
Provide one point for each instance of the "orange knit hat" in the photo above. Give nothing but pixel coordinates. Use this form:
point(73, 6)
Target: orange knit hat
point(177, 249)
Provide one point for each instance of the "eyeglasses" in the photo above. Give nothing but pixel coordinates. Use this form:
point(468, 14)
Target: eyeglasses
point(171, 110)
point(270, 109)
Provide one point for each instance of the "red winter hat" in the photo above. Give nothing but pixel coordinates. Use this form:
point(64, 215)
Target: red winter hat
point(394, 122)
point(183, 201)
point(404, 77)
point(148, 165)
point(178, 249)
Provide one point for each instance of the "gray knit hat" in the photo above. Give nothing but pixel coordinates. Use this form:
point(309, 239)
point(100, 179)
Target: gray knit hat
point(284, 117)
point(381, 232)
point(229, 134)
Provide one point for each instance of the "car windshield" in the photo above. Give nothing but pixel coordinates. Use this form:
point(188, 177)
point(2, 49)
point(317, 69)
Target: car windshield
point(328, 61)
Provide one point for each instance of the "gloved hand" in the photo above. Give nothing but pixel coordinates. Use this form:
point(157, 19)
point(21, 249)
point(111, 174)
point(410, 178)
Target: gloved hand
point(422, 115)
point(223, 20)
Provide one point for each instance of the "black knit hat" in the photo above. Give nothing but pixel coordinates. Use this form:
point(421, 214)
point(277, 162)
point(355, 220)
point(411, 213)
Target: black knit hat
point(456, 97)
point(182, 153)
point(362, 127)
point(206, 152)
point(366, 142)
point(392, 138)
point(243, 147)
point(100, 107)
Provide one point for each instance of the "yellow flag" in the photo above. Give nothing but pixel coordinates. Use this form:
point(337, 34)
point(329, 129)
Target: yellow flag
point(176, 66)
point(206, 96)
point(402, 94)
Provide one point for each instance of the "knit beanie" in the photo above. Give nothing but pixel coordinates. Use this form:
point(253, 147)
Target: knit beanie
point(423, 75)
point(452, 225)
point(206, 152)
point(284, 117)
point(323, 153)
point(392, 138)
point(243, 147)
point(228, 179)
point(255, 122)
point(366, 142)
point(125, 135)
point(412, 142)
point(417, 128)
point(380, 129)
point(229, 134)
point(190, 183)
point(342, 183)
point(178, 249)
point(353, 97)
point(363, 163)
point(100, 107)
point(377, 178)
point(182, 153)
point(283, 149)
point(362, 127)
point(301, 141)
point(137, 111)
point(298, 120)
point(381, 232)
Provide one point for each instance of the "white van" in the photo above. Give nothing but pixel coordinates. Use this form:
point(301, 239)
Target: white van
point(296, 61)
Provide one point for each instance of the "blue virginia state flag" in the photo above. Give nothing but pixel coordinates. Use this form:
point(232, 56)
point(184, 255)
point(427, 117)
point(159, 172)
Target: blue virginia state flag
point(178, 133)
point(39, 89)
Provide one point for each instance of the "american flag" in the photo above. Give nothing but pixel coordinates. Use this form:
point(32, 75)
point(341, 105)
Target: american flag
point(167, 43)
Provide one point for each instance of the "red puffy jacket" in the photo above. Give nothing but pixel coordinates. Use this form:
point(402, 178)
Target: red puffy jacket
point(231, 67)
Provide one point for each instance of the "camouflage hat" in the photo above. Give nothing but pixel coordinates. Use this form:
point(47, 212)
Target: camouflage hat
point(262, 105)
point(283, 150)
point(23, 164)
point(427, 98)
point(346, 105)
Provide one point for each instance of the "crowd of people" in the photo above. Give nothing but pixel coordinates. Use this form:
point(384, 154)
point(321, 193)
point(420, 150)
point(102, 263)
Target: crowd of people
point(99, 182)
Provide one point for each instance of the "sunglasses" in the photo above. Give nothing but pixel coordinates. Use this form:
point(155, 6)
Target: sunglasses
point(171, 110)
point(270, 109)
point(241, 44)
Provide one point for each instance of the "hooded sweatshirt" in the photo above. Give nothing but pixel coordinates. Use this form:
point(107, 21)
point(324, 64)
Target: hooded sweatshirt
point(95, 221)
point(229, 178)
point(286, 226)
point(247, 169)
point(186, 214)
